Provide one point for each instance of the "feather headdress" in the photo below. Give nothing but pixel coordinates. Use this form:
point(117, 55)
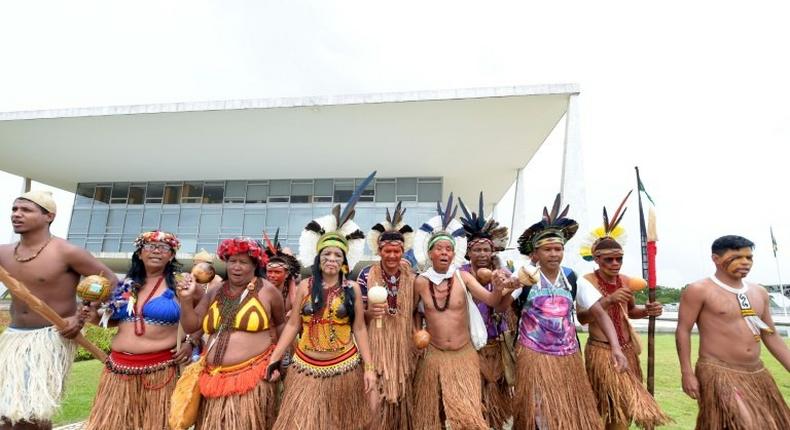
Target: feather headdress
point(277, 254)
point(553, 228)
point(478, 228)
point(336, 229)
point(394, 229)
point(611, 229)
point(442, 226)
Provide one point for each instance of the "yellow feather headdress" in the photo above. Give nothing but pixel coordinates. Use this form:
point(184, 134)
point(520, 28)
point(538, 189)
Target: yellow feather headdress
point(610, 229)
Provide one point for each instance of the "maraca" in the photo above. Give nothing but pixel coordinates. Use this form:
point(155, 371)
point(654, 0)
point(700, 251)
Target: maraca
point(421, 339)
point(636, 284)
point(203, 272)
point(377, 295)
point(528, 275)
point(484, 275)
point(94, 288)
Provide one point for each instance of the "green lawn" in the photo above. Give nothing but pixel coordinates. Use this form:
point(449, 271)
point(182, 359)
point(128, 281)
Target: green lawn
point(81, 386)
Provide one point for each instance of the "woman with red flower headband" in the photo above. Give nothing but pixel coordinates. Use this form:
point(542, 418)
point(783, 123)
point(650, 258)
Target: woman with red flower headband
point(135, 388)
point(243, 319)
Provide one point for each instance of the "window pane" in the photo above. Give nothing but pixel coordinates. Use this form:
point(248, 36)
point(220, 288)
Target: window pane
point(212, 194)
point(155, 190)
point(84, 195)
point(172, 195)
point(188, 221)
point(120, 190)
point(98, 221)
point(192, 192)
point(299, 199)
point(111, 244)
point(188, 244)
point(232, 221)
point(407, 186)
point(277, 217)
point(302, 188)
point(136, 195)
point(115, 220)
point(127, 243)
point(298, 219)
point(103, 194)
point(77, 241)
point(209, 223)
point(134, 219)
point(151, 218)
point(385, 191)
point(257, 193)
point(280, 187)
point(235, 188)
point(343, 190)
point(254, 223)
point(323, 187)
point(169, 222)
point(80, 219)
point(429, 192)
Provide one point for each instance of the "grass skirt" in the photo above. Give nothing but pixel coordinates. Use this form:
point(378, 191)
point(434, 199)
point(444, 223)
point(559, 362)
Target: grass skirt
point(496, 392)
point(553, 391)
point(324, 395)
point(237, 397)
point(134, 392)
point(33, 368)
point(448, 381)
point(621, 396)
point(737, 397)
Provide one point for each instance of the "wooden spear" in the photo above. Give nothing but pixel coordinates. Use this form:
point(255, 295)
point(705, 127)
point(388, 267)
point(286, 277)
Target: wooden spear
point(20, 292)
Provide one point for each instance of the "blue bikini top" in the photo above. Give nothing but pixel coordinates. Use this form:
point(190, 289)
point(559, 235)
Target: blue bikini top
point(161, 310)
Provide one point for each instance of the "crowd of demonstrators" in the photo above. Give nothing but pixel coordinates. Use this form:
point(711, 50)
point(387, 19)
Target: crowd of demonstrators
point(454, 338)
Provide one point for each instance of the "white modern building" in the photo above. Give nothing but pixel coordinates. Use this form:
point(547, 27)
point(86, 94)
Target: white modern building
point(211, 170)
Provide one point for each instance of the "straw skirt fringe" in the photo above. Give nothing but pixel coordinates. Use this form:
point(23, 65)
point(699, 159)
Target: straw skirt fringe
point(496, 392)
point(323, 403)
point(621, 396)
point(736, 397)
point(448, 381)
point(33, 368)
point(132, 402)
point(554, 392)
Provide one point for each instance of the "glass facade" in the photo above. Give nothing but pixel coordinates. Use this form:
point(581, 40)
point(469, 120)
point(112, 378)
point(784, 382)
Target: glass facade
point(108, 216)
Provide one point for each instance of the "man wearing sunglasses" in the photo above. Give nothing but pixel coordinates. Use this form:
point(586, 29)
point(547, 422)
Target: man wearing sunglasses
point(621, 397)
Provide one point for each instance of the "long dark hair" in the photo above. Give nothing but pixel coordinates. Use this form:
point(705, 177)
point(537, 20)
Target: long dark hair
point(316, 293)
point(137, 271)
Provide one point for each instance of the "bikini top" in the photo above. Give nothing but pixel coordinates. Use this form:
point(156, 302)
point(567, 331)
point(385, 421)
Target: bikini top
point(161, 310)
point(251, 316)
point(329, 330)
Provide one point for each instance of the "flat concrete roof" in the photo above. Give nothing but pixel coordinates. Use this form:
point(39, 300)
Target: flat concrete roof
point(476, 139)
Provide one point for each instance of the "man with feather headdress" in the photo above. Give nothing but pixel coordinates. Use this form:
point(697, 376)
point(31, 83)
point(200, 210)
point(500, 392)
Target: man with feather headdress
point(448, 373)
point(621, 396)
point(484, 239)
point(390, 323)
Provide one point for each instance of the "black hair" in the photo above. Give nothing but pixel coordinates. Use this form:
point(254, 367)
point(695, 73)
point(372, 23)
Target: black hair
point(137, 271)
point(730, 243)
point(316, 293)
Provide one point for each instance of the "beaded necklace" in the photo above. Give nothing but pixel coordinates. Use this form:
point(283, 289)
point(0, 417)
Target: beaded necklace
point(432, 287)
point(26, 259)
point(334, 343)
point(139, 321)
point(229, 304)
point(615, 311)
point(393, 282)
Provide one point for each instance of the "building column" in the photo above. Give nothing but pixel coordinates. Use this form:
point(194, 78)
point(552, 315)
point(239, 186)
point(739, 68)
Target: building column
point(572, 183)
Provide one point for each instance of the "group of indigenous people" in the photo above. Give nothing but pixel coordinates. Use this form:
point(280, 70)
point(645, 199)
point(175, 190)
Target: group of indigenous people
point(464, 341)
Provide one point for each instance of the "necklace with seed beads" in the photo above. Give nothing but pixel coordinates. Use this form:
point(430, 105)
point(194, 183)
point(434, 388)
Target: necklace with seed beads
point(32, 257)
point(432, 288)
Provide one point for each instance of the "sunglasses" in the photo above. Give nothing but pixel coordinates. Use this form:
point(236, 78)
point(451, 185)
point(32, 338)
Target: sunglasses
point(610, 260)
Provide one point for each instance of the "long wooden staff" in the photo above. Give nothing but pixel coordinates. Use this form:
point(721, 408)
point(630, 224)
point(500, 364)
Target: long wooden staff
point(20, 292)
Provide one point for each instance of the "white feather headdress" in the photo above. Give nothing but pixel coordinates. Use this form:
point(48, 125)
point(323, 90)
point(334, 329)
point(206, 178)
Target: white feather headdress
point(444, 224)
point(394, 229)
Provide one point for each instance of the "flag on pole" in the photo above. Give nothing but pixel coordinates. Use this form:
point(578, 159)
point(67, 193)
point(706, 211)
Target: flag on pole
point(648, 235)
point(773, 242)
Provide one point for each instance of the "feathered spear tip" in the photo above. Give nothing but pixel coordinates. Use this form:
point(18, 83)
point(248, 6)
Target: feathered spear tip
point(348, 212)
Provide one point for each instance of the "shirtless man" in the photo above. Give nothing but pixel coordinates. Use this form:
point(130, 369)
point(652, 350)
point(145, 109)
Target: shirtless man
point(448, 374)
point(35, 357)
point(730, 384)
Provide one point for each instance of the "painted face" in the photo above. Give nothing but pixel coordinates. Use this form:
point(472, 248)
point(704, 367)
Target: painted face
point(331, 260)
point(442, 255)
point(28, 216)
point(550, 255)
point(609, 265)
point(736, 263)
point(480, 254)
point(390, 256)
point(241, 269)
point(156, 255)
point(276, 274)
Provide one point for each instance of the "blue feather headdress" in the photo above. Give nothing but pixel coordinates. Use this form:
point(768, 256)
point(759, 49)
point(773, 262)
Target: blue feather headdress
point(442, 226)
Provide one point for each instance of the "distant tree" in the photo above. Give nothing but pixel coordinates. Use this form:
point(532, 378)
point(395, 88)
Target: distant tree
point(663, 295)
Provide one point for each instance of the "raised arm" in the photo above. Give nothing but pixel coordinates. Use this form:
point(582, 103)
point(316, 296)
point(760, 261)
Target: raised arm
point(491, 298)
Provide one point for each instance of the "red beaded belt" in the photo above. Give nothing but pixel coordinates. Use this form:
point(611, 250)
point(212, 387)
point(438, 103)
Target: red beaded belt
point(343, 363)
point(139, 364)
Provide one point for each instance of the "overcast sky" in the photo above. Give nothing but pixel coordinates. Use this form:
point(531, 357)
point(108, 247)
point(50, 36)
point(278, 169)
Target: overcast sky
point(695, 93)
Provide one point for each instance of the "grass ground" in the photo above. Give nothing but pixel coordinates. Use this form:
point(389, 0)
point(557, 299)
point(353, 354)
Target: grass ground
point(81, 386)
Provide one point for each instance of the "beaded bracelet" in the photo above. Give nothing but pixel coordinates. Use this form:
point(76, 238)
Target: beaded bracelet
point(370, 367)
